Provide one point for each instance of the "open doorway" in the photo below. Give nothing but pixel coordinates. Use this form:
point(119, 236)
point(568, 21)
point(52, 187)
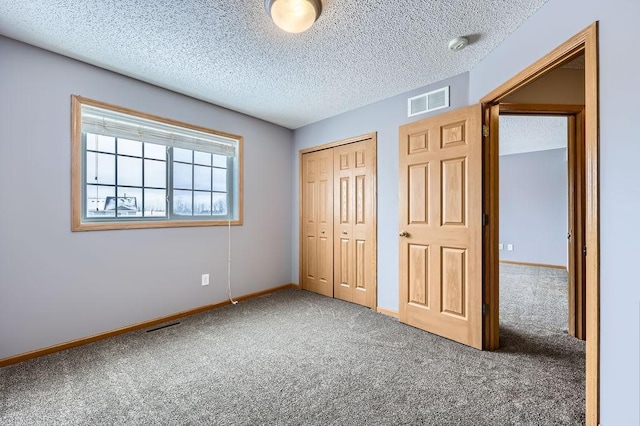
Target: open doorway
point(542, 197)
point(582, 44)
point(534, 225)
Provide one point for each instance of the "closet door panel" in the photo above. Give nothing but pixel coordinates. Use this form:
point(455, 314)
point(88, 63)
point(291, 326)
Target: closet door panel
point(317, 222)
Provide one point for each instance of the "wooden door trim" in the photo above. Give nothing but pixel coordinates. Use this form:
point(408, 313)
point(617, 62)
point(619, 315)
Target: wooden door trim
point(561, 55)
point(577, 294)
point(585, 42)
point(540, 109)
point(373, 136)
point(341, 142)
point(387, 312)
point(490, 253)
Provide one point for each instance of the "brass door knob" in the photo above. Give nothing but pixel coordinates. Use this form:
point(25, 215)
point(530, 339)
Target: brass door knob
point(403, 234)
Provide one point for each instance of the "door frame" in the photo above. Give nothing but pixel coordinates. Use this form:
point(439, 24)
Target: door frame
point(374, 248)
point(585, 42)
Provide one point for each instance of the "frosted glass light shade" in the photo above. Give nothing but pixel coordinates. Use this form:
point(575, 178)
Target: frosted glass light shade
point(294, 16)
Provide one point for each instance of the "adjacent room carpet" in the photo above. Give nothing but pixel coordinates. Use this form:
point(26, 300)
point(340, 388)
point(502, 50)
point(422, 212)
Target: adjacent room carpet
point(297, 358)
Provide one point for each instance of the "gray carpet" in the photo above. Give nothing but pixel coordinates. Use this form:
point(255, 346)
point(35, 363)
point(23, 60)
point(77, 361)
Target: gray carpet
point(295, 358)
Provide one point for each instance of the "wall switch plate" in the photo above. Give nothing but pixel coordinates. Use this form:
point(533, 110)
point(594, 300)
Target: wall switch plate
point(509, 247)
point(500, 246)
point(205, 279)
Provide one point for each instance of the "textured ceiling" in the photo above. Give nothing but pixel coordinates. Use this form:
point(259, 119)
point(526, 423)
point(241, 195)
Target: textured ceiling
point(520, 134)
point(576, 64)
point(229, 52)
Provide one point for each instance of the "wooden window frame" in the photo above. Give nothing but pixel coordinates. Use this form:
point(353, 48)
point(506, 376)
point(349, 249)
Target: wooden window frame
point(78, 222)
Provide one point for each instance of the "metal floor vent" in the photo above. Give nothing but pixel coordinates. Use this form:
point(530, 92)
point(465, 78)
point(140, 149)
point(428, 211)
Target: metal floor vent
point(163, 326)
point(427, 102)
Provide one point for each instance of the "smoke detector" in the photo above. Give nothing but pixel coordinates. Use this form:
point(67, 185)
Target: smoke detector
point(458, 44)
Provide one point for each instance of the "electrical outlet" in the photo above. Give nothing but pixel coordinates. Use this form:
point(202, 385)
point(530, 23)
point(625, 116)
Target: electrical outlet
point(509, 247)
point(205, 279)
point(500, 246)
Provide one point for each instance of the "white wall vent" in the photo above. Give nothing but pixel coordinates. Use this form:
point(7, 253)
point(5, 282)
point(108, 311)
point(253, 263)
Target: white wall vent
point(427, 102)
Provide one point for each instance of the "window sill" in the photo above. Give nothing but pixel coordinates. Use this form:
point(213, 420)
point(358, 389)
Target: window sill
point(107, 226)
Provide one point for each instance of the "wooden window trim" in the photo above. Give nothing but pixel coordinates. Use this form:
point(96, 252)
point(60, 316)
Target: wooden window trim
point(77, 223)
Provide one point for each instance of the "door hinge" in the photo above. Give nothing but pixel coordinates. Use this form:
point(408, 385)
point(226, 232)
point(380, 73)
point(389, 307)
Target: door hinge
point(584, 250)
point(485, 309)
point(485, 219)
point(485, 130)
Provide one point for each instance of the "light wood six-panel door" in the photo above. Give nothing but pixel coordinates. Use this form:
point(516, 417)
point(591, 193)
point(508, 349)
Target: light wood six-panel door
point(317, 222)
point(354, 222)
point(440, 232)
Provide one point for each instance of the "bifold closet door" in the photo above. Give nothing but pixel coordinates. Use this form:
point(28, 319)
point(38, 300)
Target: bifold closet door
point(317, 222)
point(354, 227)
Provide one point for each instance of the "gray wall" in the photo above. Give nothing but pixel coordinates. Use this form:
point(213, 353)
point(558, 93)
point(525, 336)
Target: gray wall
point(56, 285)
point(553, 24)
point(533, 207)
point(383, 117)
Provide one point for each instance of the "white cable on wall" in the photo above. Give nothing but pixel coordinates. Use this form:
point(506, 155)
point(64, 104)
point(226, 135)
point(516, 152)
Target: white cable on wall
point(229, 266)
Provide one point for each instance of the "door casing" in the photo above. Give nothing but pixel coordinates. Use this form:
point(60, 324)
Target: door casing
point(585, 42)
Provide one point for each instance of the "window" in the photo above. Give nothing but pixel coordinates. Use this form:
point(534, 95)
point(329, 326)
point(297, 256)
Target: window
point(134, 170)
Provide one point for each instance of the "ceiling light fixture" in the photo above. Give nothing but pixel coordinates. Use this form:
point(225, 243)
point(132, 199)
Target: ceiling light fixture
point(294, 16)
